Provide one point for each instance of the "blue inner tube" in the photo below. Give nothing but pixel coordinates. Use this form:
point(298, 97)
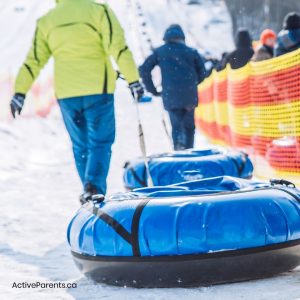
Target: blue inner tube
point(201, 221)
point(171, 168)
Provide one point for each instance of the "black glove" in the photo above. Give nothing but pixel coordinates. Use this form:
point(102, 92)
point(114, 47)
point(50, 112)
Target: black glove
point(137, 90)
point(156, 94)
point(16, 104)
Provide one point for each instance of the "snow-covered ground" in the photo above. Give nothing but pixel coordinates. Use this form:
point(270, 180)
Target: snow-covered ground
point(40, 189)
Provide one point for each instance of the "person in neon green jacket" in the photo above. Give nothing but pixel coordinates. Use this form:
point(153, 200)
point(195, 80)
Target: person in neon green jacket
point(83, 37)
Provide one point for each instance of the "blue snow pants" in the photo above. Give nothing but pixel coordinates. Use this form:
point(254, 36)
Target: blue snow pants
point(183, 128)
point(90, 122)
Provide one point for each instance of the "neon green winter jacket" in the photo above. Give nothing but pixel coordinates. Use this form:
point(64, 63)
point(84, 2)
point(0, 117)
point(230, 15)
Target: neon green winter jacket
point(82, 36)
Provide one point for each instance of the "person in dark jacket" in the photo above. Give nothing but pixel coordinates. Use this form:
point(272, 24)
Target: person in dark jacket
point(182, 69)
point(243, 52)
point(266, 48)
point(289, 37)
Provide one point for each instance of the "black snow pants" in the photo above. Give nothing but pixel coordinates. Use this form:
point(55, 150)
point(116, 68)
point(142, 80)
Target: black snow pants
point(183, 128)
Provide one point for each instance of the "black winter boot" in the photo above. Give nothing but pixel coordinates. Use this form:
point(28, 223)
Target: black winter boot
point(89, 191)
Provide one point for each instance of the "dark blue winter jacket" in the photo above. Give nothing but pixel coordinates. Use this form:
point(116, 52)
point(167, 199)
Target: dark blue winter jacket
point(287, 41)
point(182, 69)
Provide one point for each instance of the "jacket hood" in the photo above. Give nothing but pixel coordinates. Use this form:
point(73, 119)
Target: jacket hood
point(174, 33)
point(289, 39)
point(243, 39)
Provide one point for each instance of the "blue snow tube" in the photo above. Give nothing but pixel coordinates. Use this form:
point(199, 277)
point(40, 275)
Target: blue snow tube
point(171, 168)
point(202, 232)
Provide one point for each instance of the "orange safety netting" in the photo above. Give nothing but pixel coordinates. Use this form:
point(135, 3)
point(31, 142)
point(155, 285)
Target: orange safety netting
point(256, 107)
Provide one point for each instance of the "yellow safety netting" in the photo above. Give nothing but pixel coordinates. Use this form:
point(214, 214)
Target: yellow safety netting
point(256, 107)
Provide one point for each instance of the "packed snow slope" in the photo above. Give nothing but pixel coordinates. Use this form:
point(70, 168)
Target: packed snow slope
point(40, 188)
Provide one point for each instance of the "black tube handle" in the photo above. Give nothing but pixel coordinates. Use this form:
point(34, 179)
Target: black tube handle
point(282, 182)
point(99, 198)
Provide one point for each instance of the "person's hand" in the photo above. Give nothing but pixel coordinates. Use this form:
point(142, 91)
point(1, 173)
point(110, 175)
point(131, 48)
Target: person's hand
point(137, 90)
point(16, 104)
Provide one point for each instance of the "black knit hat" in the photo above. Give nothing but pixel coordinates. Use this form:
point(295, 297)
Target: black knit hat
point(291, 21)
point(243, 39)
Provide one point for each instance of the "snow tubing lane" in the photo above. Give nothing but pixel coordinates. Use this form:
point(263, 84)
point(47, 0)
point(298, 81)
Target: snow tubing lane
point(171, 168)
point(198, 233)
